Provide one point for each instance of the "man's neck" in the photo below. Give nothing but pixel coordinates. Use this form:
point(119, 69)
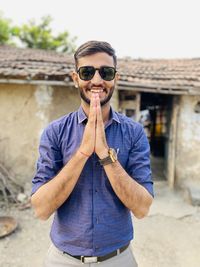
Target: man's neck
point(105, 110)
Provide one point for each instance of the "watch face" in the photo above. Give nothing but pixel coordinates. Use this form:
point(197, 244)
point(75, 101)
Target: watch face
point(109, 159)
point(113, 154)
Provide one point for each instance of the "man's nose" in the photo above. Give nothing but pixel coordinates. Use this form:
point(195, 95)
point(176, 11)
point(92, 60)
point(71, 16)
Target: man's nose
point(97, 78)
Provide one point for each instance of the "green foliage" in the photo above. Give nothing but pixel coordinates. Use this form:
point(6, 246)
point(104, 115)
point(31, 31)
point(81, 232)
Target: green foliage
point(35, 35)
point(40, 36)
point(5, 30)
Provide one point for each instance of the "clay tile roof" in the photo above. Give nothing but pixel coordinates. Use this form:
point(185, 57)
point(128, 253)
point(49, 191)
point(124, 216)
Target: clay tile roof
point(34, 64)
point(171, 73)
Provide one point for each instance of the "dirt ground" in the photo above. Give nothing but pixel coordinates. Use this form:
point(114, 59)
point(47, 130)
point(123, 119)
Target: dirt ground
point(169, 236)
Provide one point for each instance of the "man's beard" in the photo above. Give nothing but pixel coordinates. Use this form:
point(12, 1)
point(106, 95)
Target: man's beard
point(102, 102)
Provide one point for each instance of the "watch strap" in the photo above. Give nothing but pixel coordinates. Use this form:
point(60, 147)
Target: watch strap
point(105, 161)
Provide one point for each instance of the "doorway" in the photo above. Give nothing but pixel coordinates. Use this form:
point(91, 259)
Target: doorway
point(155, 115)
point(158, 115)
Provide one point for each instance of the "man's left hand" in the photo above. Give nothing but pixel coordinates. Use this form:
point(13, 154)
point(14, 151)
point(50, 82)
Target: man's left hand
point(101, 146)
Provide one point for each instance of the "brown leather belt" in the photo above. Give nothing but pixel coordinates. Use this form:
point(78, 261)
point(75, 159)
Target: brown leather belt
point(91, 259)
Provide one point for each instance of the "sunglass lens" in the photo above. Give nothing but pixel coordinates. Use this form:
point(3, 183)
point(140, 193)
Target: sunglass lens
point(107, 73)
point(86, 73)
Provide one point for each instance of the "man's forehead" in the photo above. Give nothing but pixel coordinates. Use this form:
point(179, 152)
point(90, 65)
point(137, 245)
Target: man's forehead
point(96, 60)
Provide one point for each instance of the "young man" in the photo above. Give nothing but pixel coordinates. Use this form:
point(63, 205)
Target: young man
point(92, 171)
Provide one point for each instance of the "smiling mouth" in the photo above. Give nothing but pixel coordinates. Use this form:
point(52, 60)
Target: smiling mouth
point(97, 90)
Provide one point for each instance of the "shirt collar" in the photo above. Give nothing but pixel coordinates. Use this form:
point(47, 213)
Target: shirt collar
point(82, 116)
point(113, 115)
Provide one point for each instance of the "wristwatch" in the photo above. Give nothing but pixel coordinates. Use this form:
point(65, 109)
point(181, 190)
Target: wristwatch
point(111, 158)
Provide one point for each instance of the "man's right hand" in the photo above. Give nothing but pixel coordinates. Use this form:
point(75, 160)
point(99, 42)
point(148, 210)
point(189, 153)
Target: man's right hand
point(88, 141)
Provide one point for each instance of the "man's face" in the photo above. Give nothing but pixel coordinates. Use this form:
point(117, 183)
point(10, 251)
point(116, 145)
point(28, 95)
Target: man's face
point(96, 84)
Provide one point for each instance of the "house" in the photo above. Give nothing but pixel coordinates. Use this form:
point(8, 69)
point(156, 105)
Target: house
point(164, 95)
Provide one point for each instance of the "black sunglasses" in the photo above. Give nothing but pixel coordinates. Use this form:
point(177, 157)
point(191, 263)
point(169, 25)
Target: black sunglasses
point(86, 73)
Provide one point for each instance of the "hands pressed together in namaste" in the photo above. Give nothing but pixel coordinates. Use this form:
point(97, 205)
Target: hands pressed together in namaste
point(94, 139)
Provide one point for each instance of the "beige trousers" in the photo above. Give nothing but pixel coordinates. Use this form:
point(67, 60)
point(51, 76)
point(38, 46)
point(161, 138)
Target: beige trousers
point(56, 258)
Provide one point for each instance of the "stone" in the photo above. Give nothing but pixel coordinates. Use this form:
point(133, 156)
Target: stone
point(22, 197)
point(194, 194)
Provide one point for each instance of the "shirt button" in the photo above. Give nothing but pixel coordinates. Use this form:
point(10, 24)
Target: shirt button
point(96, 190)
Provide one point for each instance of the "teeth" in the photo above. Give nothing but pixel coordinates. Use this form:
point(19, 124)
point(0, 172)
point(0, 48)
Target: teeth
point(97, 91)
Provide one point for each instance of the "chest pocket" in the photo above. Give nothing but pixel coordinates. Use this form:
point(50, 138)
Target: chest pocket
point(123, 158)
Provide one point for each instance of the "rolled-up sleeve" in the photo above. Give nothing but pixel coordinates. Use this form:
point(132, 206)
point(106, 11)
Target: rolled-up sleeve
point(50, 159)
point(138, 165)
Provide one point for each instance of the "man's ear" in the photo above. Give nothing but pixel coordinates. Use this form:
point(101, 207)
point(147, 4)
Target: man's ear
point(75, 78)
point(117, 76)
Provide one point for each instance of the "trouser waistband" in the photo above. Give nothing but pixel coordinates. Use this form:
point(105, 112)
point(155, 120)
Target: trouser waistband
point(91, 259)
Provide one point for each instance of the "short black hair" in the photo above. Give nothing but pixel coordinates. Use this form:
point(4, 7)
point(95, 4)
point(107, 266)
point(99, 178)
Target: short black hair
point(93, 47)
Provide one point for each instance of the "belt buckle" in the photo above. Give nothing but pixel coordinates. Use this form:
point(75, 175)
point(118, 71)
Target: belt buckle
point(89, 259)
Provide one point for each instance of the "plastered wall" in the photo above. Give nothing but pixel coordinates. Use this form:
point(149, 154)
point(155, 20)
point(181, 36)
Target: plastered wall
point(188, 140)
point(24, 112)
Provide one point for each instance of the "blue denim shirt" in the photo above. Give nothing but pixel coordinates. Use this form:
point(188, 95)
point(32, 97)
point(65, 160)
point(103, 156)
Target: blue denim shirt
point(92, 221)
